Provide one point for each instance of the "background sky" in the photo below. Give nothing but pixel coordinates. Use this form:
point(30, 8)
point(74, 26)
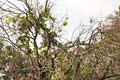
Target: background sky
point(80, 11)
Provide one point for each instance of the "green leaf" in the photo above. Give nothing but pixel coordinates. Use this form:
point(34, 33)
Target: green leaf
point(44, 25)
point(65, 23)
point(39, 30)
point(9, 19)
point(61, 55)
point(52, 18)
point(83, 43)
point(54, 41)
point(46, 15)
point(1, 45)
point(67, 18)
point(39, 7)
point(59, 30)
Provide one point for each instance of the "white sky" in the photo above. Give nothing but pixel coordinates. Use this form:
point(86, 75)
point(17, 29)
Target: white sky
point(79, 11)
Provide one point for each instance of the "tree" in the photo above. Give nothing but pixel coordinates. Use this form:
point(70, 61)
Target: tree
point(29, 38)
point(31, 48)
point(105, 58)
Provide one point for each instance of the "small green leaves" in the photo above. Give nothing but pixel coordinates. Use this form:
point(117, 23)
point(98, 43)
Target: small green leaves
point(65, 23)
point(61, 55)
point(1, 45)
point(44, 25)
point(9, 19)
point(59, 30)
point(52, 18)
point(46, 15)
point(54, 41)
point(40, 7)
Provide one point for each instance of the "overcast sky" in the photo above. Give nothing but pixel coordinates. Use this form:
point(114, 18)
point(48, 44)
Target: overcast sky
point(79, 11)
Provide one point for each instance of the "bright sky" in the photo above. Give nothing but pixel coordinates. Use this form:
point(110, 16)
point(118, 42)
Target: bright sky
point(79, 11)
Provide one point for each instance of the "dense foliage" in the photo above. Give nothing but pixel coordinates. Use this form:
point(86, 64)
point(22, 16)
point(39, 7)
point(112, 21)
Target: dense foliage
point(31, 47)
